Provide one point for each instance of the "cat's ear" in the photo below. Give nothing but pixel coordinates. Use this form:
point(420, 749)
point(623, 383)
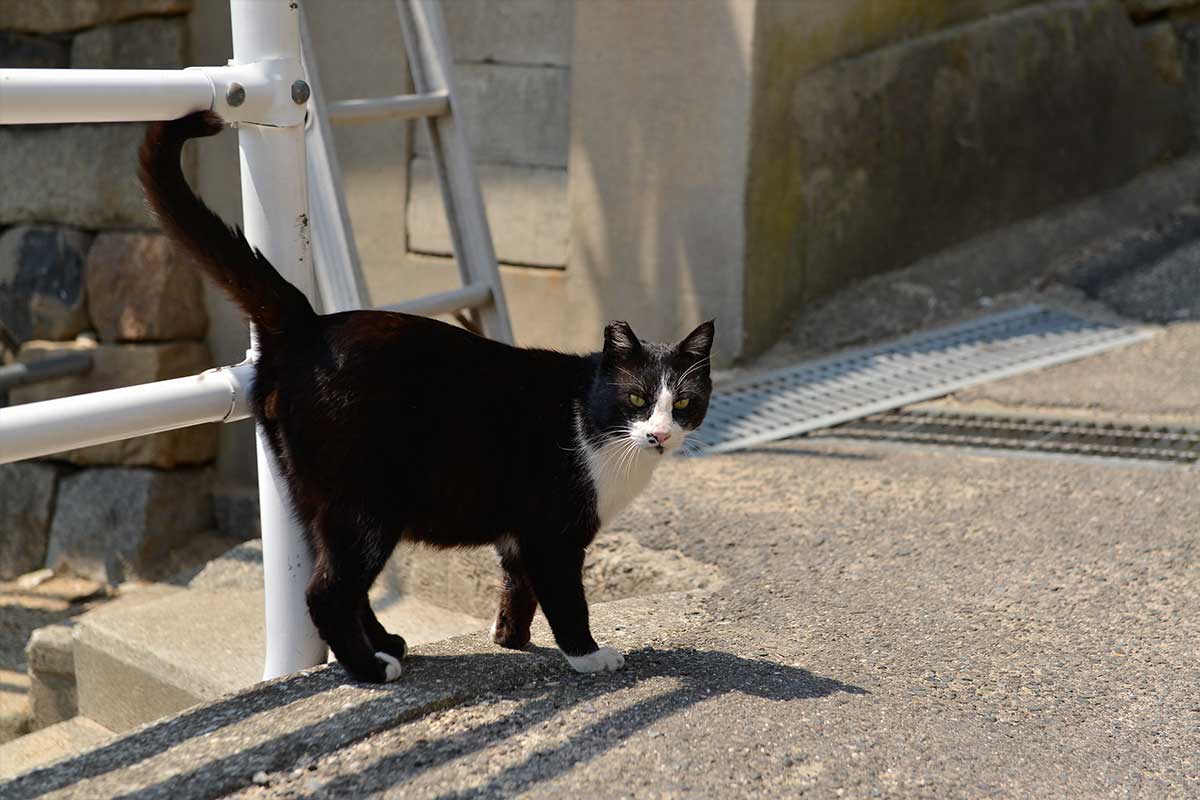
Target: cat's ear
point(698, 343)
point(620, 340)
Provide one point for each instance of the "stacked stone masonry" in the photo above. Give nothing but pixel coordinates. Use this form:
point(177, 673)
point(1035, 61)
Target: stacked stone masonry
point(83, 271)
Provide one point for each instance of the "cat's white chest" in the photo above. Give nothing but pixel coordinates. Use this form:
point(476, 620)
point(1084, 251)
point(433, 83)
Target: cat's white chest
point(615, 490)
point(616, 479)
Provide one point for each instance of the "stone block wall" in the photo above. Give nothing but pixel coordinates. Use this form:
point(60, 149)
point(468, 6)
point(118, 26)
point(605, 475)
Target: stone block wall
point(512, 65)
point(83, 270)
point(885, 132)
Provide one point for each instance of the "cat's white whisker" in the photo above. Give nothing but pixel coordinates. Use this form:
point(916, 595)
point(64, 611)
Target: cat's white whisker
point(689, 371)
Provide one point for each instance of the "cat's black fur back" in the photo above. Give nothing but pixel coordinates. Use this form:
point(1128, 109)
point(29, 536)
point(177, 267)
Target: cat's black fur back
point(389, 426)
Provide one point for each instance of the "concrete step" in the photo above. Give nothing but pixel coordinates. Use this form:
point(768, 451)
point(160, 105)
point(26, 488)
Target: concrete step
point(165, 648)
point(137, 664)
point(50, 744)
point(277, 728)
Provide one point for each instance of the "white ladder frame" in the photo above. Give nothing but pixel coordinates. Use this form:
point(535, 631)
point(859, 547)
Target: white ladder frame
point(434, 103)
point(267, 73)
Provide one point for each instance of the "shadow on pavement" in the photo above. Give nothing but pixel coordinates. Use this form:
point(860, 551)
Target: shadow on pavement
point(703, 674)
point(158, 738)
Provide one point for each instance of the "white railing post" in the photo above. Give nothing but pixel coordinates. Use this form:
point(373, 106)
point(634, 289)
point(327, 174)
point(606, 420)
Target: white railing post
point(275, 218)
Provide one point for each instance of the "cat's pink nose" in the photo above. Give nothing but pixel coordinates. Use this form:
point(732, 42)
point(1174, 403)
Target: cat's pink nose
point(661, 436)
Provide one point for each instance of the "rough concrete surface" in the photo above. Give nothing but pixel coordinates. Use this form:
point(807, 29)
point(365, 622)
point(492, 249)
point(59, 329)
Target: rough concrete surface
point(899, 621)
point(1168, 390)
point(518, 31)
point(526, 205)
point(617, 566)
point(63, 737)
point(896, 621)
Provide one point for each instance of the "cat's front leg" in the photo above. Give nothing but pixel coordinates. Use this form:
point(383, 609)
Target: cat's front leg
point(556, 572)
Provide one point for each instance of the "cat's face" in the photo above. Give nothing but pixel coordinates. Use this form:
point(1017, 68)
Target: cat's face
point(650, 396)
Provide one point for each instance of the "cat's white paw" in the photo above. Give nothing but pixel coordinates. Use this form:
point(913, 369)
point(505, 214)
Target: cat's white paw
point(392, 671)
point(606, 659)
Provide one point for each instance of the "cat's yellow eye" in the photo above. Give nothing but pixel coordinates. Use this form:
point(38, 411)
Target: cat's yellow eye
point(637, 400)
point(680, 405)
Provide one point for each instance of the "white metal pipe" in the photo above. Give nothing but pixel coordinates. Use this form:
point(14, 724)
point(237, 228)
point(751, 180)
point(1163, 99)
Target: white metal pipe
point(401, 106)
point(51, 426)
point(335, 253)
point(29, 96)
point(477, 295)
point(275, 217)
point(264, 94)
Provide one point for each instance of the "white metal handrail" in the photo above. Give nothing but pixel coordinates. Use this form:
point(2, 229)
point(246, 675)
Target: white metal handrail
point(264, 90)
point(33, 430)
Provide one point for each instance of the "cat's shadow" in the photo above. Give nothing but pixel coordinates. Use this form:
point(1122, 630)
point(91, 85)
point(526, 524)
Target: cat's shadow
point(697, 676)
point(550, 691)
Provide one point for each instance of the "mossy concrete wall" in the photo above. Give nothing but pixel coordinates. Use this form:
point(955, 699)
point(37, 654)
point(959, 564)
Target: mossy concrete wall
point(886, 130)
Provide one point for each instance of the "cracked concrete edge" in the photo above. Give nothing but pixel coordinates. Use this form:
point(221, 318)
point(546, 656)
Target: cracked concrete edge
point(216, 748)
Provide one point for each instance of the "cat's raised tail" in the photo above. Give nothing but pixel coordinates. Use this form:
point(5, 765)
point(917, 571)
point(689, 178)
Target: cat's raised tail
point(275, 306)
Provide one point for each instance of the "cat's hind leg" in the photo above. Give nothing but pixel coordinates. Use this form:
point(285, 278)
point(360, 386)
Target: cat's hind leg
point(517, 602)
point(347, 560)
point(381, 640)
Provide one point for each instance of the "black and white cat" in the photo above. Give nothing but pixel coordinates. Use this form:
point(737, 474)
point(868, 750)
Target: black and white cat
point(389, 426)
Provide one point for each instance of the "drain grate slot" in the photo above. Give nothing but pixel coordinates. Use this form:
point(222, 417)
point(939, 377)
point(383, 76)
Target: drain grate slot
point(853, 385)
point(1080, 437)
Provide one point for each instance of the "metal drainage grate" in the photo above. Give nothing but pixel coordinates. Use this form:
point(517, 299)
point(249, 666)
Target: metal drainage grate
point(834, 390)
point(1081, 437)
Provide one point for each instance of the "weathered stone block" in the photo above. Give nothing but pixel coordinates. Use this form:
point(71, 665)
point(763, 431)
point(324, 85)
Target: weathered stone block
point(140, 44)
point(111, 524)
point(237, 511)
point(19, 51)
point(526, 207)
point(138, 290)
point(114, 366)
point(26, 506)
point(52, 699)
point(513, 114)
point(515, 31)
point(41, 282)
point(1144, 7)
point(1186, 26)
point(53, 696)
point(904, 151)
point(51, 649)
point(80, 175)
point(58, 16)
